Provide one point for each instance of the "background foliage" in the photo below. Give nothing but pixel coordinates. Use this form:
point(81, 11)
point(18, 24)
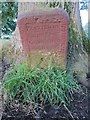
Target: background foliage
point(9, 14)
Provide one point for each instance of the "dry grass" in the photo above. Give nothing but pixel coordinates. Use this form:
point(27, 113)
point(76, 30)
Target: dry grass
point(2, 42)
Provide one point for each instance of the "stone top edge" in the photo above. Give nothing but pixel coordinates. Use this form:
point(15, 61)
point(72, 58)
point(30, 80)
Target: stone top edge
point(44, 12)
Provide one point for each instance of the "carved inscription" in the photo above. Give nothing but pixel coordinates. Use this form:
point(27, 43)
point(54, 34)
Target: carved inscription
point(46, 36)
point(45, 32)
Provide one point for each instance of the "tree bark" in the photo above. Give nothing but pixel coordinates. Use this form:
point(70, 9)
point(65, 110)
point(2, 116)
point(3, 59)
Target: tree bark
point(73, 9)
point(23, 7)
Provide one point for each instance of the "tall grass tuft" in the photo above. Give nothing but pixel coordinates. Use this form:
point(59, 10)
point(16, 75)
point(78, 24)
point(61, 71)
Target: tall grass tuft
point(40, 85)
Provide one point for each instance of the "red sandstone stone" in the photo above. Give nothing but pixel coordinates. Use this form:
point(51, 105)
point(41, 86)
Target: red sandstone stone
point(44, 30)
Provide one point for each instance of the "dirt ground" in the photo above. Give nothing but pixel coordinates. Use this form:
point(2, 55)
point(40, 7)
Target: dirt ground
point(78, 109)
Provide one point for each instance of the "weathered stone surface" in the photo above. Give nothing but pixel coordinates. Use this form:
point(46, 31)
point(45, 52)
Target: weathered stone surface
point(45, 31)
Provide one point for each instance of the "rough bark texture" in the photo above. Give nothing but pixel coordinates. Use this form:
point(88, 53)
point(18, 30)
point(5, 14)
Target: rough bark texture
point(23, 7)
point(73, 9)
point(81, 64)
point(75, 15)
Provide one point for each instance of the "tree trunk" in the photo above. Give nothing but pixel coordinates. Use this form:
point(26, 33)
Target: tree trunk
point(74, 14)
point(23, 7)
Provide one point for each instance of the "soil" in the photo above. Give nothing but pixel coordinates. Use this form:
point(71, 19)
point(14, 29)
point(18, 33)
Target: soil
point(78, 110)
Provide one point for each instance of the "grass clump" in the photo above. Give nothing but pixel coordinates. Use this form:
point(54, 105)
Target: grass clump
point(39, 85)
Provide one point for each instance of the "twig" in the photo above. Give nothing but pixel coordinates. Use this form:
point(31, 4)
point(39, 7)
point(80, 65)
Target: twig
point(68, 111)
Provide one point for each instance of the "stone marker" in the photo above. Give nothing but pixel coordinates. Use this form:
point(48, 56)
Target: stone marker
point(44, 33)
